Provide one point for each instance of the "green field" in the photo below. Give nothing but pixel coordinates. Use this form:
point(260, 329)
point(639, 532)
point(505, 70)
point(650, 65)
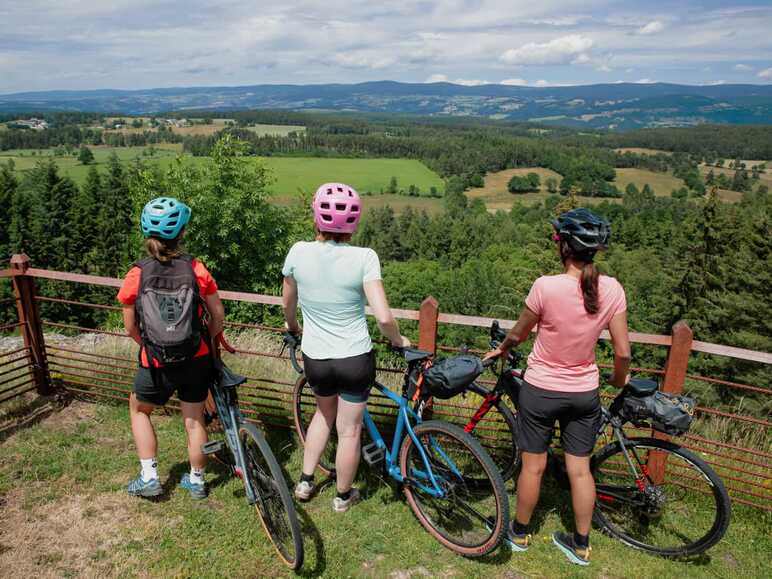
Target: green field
point(293, 175)
point(661, 183)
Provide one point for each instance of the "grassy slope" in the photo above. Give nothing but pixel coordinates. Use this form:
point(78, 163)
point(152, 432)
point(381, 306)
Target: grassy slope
point(66, 514)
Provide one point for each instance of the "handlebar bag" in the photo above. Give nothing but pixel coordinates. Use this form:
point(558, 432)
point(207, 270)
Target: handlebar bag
point(668, 413)
point(450, 376)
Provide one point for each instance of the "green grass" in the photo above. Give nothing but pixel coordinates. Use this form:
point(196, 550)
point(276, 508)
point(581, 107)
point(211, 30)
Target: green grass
point(62, 489)
point(62, 484)
point(276, 130)
point(661, 183)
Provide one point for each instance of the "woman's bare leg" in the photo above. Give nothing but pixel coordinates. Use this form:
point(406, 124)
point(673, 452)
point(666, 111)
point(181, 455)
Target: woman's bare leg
point(319, 432)
point(349, 425)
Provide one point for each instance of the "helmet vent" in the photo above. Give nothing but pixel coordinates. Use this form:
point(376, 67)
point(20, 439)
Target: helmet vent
point(350, 219)
point(326, 218)
point(325, 205)
point(340, 206)
point(355, 208)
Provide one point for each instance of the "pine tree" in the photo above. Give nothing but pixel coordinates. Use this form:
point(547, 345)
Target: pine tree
point(114, 221)
point(83, 223)
point(8, 186)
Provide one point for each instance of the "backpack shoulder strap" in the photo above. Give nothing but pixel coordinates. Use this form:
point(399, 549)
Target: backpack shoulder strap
point(142, 263)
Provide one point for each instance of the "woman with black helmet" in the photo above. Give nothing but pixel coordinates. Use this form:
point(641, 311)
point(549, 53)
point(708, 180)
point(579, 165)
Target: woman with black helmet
point(562, 379)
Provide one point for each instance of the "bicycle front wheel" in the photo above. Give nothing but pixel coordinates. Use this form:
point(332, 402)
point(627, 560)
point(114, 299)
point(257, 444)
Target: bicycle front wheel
point(304, 408)
point(273, 499)
point(469, 519)
point(684, 515)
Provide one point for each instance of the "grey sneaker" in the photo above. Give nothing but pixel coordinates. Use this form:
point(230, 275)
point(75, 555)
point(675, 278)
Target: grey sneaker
point(341, 506)
point(197, 490)
point(142, 488)
point(574, 553)
point(304, 490)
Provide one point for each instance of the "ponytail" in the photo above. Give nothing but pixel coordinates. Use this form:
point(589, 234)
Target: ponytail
point(590, 275)
point(163, 249)
point(589, 284)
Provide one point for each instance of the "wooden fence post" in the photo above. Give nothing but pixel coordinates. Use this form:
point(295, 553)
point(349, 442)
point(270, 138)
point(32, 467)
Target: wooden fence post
point(673, 383)
point(29, 317)
point(427, 324)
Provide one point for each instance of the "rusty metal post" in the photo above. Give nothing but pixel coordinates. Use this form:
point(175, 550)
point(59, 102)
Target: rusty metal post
point(673, 383)
point(427, 324)
point(29, 318)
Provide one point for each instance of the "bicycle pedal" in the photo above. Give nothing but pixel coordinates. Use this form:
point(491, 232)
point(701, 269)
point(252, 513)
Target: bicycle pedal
point(212, 447)
point(373, 454)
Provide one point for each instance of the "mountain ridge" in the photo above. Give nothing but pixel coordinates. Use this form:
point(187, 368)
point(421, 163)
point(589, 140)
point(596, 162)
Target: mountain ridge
point(606, 106)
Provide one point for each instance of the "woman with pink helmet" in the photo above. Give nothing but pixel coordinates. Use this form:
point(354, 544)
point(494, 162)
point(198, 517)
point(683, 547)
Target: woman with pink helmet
point(331, 280)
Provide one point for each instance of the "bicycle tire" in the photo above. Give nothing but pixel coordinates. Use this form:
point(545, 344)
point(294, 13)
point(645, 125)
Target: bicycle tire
point(502, 449)
point(678, 456)
point(302, 399)
point(274, 504)
point(420, 502)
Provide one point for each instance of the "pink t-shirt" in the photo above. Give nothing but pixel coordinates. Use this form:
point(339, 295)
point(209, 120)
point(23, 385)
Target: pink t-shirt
point(563, 356)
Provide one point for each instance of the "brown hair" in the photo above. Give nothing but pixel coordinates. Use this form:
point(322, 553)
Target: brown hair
point(333, 236)
point(589, 279)
point(163, 249)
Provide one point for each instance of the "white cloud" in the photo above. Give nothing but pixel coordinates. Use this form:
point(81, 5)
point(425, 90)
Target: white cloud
point(461, 81)
point(716, 82)
point(541, 83)
point(652, 27)
point(743, 68)
point(604, 68)
point(645, 81)
point(766, 73)
point(566, 49)
point(514, 82)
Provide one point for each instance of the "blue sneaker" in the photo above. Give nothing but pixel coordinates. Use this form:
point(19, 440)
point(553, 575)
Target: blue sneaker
point(518, 543)
point(197, 491)
point(574, 553)
point(142, 488)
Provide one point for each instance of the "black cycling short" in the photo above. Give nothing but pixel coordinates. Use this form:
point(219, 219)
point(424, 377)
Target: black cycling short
point(191, 382)
point(350, 378)
point(578, 414)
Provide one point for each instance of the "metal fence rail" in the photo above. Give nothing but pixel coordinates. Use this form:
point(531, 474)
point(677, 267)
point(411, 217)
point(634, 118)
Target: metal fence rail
point(107, 373)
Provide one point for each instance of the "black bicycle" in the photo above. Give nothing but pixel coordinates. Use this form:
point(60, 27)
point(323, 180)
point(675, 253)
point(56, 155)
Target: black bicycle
point(244, 449)
point(678, 509)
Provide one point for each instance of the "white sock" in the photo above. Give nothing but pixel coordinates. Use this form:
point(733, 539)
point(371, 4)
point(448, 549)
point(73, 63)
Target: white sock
point(197, 475)
point(149, 468)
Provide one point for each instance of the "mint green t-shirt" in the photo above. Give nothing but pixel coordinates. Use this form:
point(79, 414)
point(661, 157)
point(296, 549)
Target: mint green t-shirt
point(330, 278)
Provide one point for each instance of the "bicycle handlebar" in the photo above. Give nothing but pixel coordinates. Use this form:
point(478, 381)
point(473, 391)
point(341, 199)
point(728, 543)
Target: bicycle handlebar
point(292, 340)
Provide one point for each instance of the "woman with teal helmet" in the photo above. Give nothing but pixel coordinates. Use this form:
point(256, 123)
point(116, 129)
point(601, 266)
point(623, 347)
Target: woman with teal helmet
point(154, 294)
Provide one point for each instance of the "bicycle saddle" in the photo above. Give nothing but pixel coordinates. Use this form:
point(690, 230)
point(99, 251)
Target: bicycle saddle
point(228, 378)
point(642, 386)
point(413, 355)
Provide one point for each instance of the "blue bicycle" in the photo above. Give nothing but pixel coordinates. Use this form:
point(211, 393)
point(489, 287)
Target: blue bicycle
point(450, 481)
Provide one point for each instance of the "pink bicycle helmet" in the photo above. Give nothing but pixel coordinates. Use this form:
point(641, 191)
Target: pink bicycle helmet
point(337, 208)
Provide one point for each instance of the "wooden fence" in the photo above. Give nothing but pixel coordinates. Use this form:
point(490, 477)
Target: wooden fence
point(36, 367)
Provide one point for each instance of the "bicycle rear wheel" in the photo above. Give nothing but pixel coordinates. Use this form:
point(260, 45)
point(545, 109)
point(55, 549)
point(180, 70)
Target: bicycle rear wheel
point(303, 408)
point(273, 501)
point(685, 515)
point(469, 519)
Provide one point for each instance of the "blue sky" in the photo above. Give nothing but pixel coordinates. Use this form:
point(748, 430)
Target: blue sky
point(88, 44)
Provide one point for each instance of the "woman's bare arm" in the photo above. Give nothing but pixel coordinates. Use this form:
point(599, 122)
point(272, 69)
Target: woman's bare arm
point(376, 297)
point(289, 301)
point(517, 334)
point(130, 323)
point(216, 313)
point(621, 341)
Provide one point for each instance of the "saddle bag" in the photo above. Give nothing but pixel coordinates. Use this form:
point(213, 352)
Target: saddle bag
point(668, 413)
point(449, 377)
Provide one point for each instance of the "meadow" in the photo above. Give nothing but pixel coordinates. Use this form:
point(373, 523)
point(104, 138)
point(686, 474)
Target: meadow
point(66, 513)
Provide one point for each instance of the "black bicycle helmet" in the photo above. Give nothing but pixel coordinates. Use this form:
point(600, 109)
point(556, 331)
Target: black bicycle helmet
point(584, 231)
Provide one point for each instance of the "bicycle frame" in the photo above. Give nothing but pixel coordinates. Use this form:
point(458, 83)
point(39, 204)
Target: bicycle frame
point(426, 481)
point(230, 416)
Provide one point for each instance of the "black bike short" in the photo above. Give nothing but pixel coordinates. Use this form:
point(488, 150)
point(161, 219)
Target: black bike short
point(350, 378)
point(191, 382)
point(578, 414)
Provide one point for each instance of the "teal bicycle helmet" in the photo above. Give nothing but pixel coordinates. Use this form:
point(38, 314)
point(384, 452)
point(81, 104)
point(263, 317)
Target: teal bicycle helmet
point(164, 217)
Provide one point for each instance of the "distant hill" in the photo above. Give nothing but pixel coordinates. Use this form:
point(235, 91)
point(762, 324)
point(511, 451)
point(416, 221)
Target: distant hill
point(603, 106)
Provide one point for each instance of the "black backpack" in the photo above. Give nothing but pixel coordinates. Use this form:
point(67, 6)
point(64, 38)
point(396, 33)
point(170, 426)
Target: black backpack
point(168, 308)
